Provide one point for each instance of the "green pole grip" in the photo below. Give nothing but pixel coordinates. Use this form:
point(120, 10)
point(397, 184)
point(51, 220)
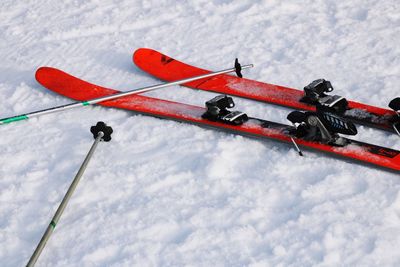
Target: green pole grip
point(13, 119)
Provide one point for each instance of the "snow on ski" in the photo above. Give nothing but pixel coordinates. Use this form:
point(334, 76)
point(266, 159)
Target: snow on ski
point(77, 89)
point(170, 69)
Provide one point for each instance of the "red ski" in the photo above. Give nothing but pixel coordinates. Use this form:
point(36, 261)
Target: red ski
point(169, 69)
point(77, 89)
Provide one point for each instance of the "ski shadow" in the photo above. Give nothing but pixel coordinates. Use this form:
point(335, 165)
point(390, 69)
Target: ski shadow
point(12, 79)
point(16, 77)
point(116, 60)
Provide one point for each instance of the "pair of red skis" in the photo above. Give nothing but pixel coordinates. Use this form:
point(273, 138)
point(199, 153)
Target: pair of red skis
point(169, 69)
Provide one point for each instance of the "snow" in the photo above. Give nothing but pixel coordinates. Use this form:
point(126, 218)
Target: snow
point(163, 193)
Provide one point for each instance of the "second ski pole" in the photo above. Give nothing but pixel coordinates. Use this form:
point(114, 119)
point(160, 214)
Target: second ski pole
point(101, 132)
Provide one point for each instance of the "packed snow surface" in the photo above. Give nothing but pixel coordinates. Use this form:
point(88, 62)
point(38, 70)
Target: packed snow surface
point(163, 193)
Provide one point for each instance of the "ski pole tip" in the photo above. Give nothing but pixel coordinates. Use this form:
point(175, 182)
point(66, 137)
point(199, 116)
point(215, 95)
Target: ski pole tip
point(248, 66)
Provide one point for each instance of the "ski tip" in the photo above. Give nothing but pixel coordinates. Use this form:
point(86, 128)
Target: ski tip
point(42, 69)
point(45, 74)
point(142, 52)
point(42, 72)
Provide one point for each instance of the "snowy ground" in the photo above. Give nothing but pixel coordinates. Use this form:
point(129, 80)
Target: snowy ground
point(169, 194)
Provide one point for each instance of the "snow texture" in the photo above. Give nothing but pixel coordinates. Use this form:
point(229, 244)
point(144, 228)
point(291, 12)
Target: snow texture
point(163, 193)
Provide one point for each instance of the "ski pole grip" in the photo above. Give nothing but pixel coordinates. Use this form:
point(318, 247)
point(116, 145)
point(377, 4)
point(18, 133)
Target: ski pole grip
point(238, 68)
point(101, 129)
point(13, 119)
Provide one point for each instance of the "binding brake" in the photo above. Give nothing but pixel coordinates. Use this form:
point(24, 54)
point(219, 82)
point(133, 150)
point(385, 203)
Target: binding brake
point(320, 126)
point(395, 105)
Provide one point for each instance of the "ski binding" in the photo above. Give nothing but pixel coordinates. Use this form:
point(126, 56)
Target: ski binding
point(314, 93)
point(217, 110)
point(395, 105)
point(322, 127)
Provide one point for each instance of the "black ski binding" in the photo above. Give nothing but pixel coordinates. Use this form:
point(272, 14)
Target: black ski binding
point(101, 127)
point(321, 127)
point(395, 105)
point(217, 110)
point(315, 94)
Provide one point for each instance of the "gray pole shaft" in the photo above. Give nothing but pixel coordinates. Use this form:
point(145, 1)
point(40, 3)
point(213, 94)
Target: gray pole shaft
point(163, 85)
point(114, 96)
point(63, 204)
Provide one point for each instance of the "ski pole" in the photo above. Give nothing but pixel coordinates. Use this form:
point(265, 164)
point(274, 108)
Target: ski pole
point(26, 116)
point(101, 132)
